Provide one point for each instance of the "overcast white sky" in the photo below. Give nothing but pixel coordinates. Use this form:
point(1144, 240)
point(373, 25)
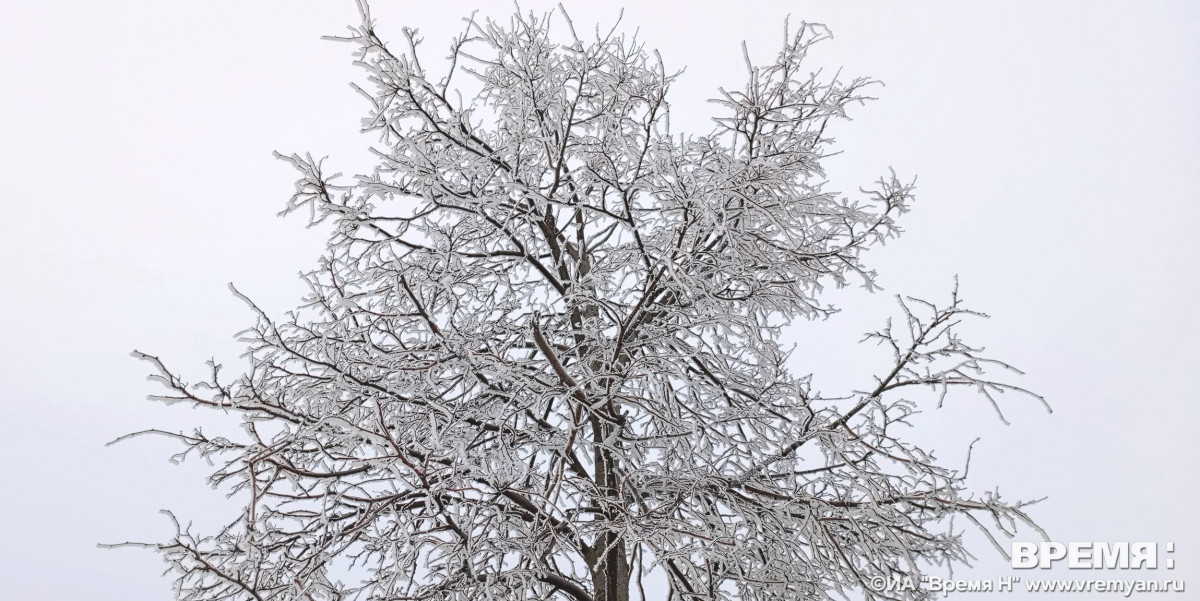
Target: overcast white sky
point(1057, 159)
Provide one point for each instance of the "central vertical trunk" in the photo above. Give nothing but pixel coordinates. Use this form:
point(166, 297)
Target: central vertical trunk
point(610, 574)
point(607, 559)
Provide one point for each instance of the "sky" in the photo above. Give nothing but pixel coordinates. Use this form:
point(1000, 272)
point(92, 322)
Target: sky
point(1056, 157)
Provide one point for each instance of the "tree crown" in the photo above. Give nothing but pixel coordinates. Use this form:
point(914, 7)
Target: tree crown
point(541, 356)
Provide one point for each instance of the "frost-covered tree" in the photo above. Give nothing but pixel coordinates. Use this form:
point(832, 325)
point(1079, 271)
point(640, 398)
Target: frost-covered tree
point(541, 357)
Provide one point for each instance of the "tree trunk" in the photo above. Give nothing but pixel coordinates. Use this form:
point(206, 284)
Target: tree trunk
point(610, 571)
